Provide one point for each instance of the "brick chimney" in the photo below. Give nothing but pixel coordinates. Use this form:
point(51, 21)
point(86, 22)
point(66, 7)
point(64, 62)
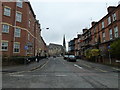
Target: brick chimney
point(111, 8)
point(93, 23)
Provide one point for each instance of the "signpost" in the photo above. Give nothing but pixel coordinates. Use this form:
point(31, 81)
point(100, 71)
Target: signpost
point(109, 54)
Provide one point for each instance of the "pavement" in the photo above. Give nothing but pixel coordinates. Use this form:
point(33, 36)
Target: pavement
point(59, 73)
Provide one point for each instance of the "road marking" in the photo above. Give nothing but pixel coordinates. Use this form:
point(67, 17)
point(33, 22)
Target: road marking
point(33, 69)
point(116, 69)
point(60, 75)
point(87, 65)
point(17, 75)
point(78, 66)
point(100, 70)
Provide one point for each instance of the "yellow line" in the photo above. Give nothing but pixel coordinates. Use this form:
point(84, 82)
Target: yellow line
point(30, 69)
point(101, 70)
point(87, 65)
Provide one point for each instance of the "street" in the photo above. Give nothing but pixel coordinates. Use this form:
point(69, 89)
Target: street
point(59, 73)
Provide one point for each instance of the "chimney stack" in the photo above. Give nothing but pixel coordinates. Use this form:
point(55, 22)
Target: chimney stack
point(110, 8)
point(93, 23)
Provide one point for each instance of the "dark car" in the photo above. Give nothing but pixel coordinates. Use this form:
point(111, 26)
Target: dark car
point(66, 57)
point(78, 57)
point(30, 59)
point(72, 58)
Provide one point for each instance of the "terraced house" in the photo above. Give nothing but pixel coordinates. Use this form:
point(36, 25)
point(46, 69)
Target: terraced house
point(101, 34)
point(20, 29)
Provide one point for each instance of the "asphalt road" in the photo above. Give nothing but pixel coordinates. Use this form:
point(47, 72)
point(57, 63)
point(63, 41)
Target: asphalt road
point(59, 73)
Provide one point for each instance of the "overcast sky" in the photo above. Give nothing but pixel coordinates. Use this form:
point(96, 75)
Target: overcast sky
point(68, 17)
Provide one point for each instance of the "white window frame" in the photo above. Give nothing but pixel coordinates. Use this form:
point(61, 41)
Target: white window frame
point(4, 46)
point(5, 28)
point(7, 11)
point(16, 46)
point(110, 34)
point(109, 20)
point(28, 36)
point(29, 23)
point(114, 17)
point(18, 16)
point(116, 33)
point(103, 36)
point(17, 32)
point(103, 24)
point(19, 3)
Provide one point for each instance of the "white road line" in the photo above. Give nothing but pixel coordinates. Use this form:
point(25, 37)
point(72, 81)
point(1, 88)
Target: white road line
point(78, 66)
point(60, 75)
point(17, 75)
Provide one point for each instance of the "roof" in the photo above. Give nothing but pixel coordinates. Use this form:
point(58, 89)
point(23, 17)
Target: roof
point(31, 9)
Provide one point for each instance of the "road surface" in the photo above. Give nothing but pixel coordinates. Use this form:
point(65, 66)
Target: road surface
point(59, 73)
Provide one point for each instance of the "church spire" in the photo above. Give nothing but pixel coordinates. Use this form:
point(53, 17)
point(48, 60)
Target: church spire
point(64, 43)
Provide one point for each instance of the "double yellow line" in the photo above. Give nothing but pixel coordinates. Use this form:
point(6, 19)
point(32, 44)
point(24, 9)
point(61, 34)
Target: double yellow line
point(33, 69)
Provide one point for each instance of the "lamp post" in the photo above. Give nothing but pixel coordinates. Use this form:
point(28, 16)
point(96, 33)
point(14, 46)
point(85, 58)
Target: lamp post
point(109, 54)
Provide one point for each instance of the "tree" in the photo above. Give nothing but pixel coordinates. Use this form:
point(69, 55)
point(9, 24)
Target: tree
point(115, 49)
point(92, 54)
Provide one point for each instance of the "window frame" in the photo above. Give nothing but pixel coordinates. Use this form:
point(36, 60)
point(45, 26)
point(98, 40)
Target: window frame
point(116, 35)
point(4, 41)
point(6, 29)
point(16, 33)
point(18, 47)
point(19, 3)
point(6, 12)
point(18, 16)
point(114, 17)
point(109, 20)
point(103, 38)
point(103, 24)
point(110, 34)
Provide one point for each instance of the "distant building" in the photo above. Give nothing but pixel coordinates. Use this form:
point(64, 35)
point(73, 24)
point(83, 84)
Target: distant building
point(55, 49)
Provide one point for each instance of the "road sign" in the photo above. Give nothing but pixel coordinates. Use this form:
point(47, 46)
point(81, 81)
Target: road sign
point(26, 47)
point(109, 47)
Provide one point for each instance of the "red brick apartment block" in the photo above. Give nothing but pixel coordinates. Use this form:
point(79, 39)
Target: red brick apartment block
point(107, 29)
point(20, 30)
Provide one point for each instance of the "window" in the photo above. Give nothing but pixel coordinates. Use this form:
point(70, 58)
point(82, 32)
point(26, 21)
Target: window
point(18, 16)
point(103, 35)
point(28, 36)
point(7, 11)
point(110, 34)
point(4, 45)
point(109, 20)
point(114, 16)
point(116, 32)
point(5, 28)
point(29, 23)
point(17, 32)
point(102, 24)
point(19, 3)
point(16, 47)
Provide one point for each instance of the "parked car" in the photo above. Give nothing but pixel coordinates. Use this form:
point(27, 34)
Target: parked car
point(54, 56)
point(30, 59)
point(78, 57)
point(72, 58)
point(66, 57)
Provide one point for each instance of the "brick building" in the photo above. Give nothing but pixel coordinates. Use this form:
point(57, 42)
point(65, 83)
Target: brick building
point(101, 34)
point(20, 30)
point(105, 31)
